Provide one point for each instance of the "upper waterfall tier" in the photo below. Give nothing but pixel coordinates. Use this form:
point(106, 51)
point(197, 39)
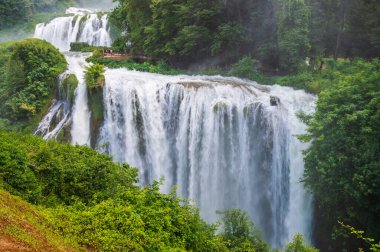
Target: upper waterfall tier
point(81, 26)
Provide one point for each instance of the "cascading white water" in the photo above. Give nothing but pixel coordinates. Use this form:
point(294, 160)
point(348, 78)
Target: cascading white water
point(218, 139)
point(80, 130)
point(58, 115)
point(81, 26)
point(62, 113)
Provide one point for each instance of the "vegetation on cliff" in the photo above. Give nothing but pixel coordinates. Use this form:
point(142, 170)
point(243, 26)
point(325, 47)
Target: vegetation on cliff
point(28, 74)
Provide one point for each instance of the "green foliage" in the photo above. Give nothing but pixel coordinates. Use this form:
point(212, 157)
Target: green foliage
point(49, 173)
point(160, 67)
point(293, 31)
point(375, 247)
point(120, 44)
point(94, 76)
point(280, 34)
point(95, 202)
point(303, 80)
point(27, 79)
point(78, 46)
point(240, 233)
point(9, 8)
point(345, 151)
point(96, 107)
point(138, 220)
point(247, 68)
point(298, 245)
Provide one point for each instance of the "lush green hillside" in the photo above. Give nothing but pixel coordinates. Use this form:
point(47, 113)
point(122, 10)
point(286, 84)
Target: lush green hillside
point(24, 227)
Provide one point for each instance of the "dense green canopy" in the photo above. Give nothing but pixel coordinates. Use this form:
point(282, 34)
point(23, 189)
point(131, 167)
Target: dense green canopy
point(280, 34)
point(343, 163)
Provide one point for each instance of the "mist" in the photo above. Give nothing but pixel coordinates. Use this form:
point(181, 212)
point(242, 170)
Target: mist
point(103, 5)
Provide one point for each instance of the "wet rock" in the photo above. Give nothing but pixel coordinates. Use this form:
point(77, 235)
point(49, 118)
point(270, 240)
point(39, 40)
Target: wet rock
point(274, 101)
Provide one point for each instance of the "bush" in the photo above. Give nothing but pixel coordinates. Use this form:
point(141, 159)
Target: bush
point(29, 72)
point(94, 76)
point(246, 68)
point(139, 220)
point(298, 245)
point(50, 173)
point(78, 46)
point(240, 233)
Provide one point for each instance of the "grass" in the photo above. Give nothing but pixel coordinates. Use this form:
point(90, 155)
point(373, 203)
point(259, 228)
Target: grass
point(25, 227)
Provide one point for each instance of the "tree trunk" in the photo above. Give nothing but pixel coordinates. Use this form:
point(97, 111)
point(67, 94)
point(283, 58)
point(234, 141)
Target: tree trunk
point(341, 24)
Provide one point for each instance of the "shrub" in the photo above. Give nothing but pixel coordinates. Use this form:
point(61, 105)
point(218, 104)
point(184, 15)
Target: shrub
point(240, 233)
point(298, 245)
point(94, 76)
point(50, 173)
point(247, 68)
point(29, 73)
point(78, 46)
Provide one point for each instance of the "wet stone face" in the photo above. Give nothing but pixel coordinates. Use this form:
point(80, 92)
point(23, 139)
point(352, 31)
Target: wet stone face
point(274, 101)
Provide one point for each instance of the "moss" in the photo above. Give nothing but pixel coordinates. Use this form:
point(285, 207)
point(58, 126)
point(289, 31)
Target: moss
point(245, 111)
point(139, 122)
point(220, 106)
point(100, 14)
point(82, 22)
point(69, 85)
point(96, 106)
point(64, 136)
point(74, 20)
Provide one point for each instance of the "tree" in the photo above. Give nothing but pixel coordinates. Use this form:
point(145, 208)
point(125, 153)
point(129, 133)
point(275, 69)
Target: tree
point(240, 233)
point(298, 245)
point(293, 31)
point(342, 166)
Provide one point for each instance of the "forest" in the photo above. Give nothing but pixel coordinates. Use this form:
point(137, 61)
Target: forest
point(329, 48)
point(279, 34)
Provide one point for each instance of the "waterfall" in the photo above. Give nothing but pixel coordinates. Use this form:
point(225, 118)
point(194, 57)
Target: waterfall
point(62, 113)
point(80, 26)
point(58, 115)
point(80, 131)
point(225, 142)
point(218, 139)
